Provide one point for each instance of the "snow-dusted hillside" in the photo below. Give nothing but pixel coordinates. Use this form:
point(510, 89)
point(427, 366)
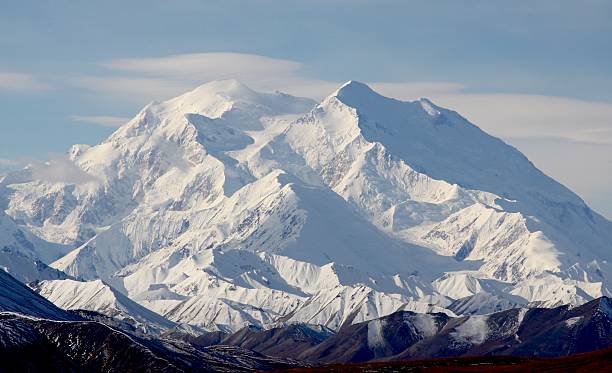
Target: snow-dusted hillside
point(98, 296)
point(225, 207)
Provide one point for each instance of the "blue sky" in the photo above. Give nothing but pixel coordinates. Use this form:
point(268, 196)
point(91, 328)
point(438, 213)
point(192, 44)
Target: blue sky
point(537, 74)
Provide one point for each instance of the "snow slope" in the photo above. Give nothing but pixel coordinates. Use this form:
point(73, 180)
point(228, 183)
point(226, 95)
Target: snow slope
point(98, 296)
point(225, 207)
point(20, 253)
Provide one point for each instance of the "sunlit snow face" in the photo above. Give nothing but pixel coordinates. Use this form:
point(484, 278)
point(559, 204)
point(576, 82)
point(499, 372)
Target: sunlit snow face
point(225, 207)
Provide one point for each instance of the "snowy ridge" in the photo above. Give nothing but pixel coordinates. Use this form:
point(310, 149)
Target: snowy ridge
point(97, 296)
point(226, 207)
point(16, 297)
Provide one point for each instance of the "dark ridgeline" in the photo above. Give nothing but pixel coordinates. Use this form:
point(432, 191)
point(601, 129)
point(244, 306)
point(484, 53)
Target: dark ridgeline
point(537, 332)
point(36, 336)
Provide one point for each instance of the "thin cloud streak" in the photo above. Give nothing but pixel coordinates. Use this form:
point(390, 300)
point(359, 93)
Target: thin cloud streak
point(521, 115)
point(134, 89)
point(20, 82)
point(207, 66)
point(101, 120)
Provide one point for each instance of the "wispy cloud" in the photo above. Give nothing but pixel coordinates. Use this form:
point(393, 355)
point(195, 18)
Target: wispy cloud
point(416, 90)
point(145, 79)
point(58, 168)
point(208, 66)
point(135, 89)
point(4, 162)
point(521, 115)
point(19, 82)
point(7, 165)
point(106, 121)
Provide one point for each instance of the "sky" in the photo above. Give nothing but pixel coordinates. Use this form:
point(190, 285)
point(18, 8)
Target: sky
point(538, 74)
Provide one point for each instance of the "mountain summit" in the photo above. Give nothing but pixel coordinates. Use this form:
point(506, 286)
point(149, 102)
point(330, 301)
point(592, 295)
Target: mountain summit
point(227, 207)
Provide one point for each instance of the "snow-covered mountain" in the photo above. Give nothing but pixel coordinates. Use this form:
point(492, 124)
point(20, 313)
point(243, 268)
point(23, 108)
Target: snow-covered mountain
point(225, 207)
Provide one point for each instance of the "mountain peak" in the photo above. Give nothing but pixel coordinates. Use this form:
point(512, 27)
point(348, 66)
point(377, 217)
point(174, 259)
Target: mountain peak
point(217, 97)
point(218, 93)
point(228, 86)
point(360, 95)
point(429, 107)
point(353, 89)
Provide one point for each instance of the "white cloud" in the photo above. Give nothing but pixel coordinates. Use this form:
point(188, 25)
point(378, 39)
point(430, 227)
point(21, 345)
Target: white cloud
point(208, 66)
point(164, 77)
point(517, 115)
point(106, 121)
point(9, 162)
point(18, 82)
point(59, 168)
point(416, 90)
point(135, 89)
point(7, 165)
